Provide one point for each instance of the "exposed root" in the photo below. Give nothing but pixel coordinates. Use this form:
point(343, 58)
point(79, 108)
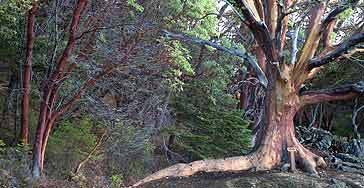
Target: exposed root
point(217, 165)
point(267, 156)
point(307, 160)
point(259, 160)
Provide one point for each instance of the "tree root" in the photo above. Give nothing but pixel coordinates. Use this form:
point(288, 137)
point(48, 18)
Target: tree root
point(307, 160)
point(262, 159)
point(215, 165)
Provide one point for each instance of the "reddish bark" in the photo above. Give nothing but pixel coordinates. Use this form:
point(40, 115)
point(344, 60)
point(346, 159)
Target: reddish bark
point(45, 120)
point(48, 114)
point(24, 135)
point(340, 93)
point(282, 100)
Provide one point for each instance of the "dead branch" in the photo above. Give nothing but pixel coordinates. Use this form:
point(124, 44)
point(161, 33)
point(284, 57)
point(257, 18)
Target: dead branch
point(236, 52)
point(337, 52)
point(92, 152)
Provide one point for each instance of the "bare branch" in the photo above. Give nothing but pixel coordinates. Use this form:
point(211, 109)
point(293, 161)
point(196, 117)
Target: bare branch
point(294, 45)
point(92, 152)
point(356, 110)
point(247, 57)
point(338, 51)
point(257, 27)
point(344, 92)
point(312, 39)
point(334, 13)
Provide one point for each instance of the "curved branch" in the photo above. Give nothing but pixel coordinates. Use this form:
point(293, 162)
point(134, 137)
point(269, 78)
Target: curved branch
point(344, 92)
point(337, 52)
point(235, 52)
point(334, 13)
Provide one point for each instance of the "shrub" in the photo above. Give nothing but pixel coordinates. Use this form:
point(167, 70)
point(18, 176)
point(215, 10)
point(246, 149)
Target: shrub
point(69, 143)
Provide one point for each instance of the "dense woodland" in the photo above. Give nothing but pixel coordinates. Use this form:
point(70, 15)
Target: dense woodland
point(113, 93)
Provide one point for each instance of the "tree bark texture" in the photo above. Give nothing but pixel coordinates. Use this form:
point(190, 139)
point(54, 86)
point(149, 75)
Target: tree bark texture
point(267, 22)
point(24, 135)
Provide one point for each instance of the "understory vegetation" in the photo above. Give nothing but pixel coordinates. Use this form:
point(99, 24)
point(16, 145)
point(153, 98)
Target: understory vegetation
point(104, 93)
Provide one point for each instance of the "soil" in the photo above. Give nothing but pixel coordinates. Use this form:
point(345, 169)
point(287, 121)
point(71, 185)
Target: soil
point(328, 178)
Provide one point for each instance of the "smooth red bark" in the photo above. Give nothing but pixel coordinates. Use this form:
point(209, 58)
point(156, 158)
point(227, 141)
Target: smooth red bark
point(24, 135)
point(45, 121)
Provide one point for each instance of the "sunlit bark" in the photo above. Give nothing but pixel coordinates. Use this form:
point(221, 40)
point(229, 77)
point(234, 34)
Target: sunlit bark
point(283, 96)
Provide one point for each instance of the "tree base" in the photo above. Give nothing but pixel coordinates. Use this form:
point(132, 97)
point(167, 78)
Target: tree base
point(264, 158)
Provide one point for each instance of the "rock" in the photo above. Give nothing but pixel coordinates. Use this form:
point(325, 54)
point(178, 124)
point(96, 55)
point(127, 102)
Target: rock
point(316, 138)
point(325, 141)
point(285, 167)
point(347, 157)
point(356, 147)
point(337, 183)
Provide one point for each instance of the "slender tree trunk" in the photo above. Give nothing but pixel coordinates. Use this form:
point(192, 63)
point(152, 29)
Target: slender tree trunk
point(24, 136)
point(38, 144)
point(47, 132)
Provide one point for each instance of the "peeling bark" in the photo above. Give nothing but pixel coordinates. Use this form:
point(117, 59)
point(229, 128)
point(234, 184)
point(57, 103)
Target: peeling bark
point(283, 99)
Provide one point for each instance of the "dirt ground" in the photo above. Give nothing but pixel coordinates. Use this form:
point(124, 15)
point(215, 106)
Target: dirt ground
point(327, 179)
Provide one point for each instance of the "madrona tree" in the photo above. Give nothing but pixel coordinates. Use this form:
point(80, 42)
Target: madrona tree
point(310, 47)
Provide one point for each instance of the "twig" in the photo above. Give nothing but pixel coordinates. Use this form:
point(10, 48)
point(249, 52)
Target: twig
point(94, 149)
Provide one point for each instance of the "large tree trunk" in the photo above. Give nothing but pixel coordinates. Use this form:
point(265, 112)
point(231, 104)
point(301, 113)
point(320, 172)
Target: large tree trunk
point(277, 134)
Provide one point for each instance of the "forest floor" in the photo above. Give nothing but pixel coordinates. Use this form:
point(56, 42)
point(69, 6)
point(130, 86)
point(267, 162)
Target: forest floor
point(344, 171)
point(328, 178)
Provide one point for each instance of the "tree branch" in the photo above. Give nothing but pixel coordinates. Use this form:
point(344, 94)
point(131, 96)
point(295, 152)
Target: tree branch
point(344, 92)
point(337, 52)
point(92, 152)
point(294, 45)
point(247, 57)
point(71, 43)
point(257, 27)
point(334, 13)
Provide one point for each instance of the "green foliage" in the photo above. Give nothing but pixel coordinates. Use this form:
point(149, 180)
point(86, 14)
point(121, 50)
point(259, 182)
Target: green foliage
point(128, 150)
point(346, 14)
point(195, 18)
point(208, 126)
point(11, 11)
point(71, 140)
point(116, 181)
point(191, 16)
point(135, 5)
point(214, 134)
point(181, 57)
